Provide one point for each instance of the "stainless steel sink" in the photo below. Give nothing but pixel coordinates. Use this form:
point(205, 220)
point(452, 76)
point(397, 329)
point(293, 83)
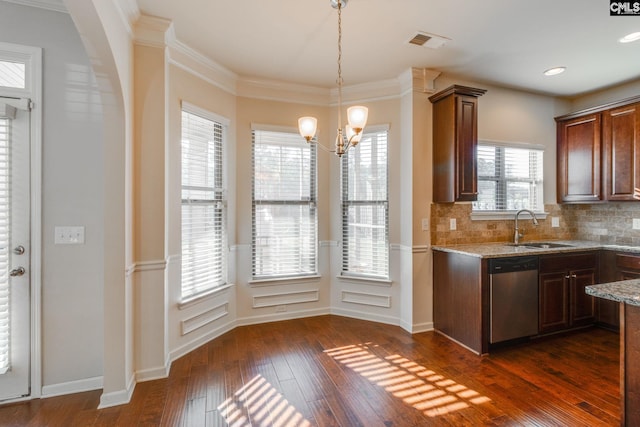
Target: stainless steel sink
point(543, 245)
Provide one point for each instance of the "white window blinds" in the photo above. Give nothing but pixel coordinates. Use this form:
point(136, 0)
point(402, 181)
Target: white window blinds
point(365, 208)
point(509, 178)
point(283, 205)
point(203, 205)
point(5, 295)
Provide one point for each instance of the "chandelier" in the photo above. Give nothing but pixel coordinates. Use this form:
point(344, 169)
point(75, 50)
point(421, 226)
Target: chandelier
point(356, 115)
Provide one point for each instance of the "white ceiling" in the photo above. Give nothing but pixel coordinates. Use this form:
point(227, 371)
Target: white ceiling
point(508, 42)
point(505, 42)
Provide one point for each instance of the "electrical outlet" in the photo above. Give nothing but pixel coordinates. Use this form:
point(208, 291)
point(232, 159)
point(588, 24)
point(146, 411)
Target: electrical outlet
point(69, 236)
point(281, 308)
point(555, 221)
point(425, 224)
point(636, 223)
point(452, 224)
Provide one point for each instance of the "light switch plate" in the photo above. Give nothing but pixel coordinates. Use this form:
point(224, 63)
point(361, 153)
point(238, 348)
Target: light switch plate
point(69, 235)
point(452, 224)
point(636, 223)
point(555, 221)
point(425, 224)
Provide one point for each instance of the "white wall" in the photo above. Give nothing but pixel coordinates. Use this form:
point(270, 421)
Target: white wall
point(72, 275)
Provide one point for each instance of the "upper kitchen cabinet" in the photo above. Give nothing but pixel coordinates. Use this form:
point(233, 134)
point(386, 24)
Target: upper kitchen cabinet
point(579, 159)
point(621, 143)
point(599, 154)
point(455, 142)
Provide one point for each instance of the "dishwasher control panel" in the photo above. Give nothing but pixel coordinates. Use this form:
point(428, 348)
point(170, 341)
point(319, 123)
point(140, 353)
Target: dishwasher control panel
point(507, 265)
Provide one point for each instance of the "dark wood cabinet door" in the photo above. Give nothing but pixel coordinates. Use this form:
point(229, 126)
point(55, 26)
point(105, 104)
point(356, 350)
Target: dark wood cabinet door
point(579, 159)
point(583, 306)
point(621, 143)
point(554, 302)
point(467, 148)
point(455, 142)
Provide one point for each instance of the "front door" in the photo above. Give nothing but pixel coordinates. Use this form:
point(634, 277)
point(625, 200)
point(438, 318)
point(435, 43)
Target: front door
point(15, 339)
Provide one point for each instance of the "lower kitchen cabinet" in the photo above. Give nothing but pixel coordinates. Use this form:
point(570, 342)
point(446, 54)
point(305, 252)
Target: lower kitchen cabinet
point(563, 301)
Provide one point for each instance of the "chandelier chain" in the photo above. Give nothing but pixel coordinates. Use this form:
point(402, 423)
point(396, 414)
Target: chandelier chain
point(339, 64)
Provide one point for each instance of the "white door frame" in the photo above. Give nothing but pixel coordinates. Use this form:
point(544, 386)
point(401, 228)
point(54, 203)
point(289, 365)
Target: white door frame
point(32, 57)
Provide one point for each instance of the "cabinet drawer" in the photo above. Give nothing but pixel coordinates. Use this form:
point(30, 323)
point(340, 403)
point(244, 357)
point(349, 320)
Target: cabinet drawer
point(553, 263)
point(628, 261)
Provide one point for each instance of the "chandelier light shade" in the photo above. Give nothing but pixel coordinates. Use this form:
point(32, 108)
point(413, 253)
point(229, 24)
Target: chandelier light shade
point(356, 115)
point(307, 127)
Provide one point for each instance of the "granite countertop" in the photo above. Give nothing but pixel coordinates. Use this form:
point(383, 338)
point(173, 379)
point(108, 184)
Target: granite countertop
point(505, 249)
point(626, 291)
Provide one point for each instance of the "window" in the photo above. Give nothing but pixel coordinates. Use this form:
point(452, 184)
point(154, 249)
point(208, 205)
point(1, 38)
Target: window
point(509, 177)
point(284, 205)
point(203, 203)
point(365, 208)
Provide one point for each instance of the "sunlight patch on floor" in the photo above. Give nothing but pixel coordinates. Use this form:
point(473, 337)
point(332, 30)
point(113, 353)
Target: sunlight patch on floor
point(259, 403)
point(420, 387)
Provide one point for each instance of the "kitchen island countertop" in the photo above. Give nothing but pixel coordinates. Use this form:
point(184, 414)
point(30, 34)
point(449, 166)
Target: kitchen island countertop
point(625, 291)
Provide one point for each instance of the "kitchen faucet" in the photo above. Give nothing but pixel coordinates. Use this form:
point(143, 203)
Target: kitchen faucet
point(516, 234)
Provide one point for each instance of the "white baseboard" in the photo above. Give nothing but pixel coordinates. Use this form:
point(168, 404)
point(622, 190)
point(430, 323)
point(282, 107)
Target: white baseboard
point(120, 397)
point(153, 373)
point(421, 327)
point(388, 320)
point(254, 320)
point(192, 345)
point(70, 387)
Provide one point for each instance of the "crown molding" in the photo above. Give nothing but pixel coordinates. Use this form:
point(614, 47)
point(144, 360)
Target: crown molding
point(201, 66)
point(282, 91)
point(54, 5)
point(153, 31)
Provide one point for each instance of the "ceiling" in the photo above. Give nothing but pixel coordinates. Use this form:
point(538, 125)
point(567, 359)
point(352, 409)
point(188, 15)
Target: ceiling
point(504, 42)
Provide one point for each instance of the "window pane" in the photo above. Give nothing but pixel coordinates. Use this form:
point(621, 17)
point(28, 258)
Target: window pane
point(12, 74)
point(486, 196)
point(284, 240)
point(519, 196)
point(366, 245)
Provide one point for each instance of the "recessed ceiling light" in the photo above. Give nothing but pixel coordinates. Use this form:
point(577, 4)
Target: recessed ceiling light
point(630, 38)
point(555, 70)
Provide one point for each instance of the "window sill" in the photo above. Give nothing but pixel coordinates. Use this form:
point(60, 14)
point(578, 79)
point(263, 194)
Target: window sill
point(191, 301)
point(284, 280)
point(365, 280)
point(502, 215)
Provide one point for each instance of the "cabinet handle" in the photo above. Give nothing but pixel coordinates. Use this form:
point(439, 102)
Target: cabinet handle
point(573, 276)
point(567, 277)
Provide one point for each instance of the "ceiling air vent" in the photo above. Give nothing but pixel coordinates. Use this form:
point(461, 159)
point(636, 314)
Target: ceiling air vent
point(428, 40)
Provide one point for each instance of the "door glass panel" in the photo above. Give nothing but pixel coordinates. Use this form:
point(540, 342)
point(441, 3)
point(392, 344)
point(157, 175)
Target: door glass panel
point(12, 74)
point(5, 315)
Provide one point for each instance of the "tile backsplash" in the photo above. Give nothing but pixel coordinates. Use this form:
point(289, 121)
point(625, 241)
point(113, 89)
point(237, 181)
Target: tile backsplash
point(609, 223)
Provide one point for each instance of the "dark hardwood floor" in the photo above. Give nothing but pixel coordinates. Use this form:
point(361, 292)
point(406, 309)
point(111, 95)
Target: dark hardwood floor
point(336, 371)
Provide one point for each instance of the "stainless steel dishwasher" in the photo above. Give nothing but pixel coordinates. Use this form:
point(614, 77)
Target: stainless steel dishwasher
point(513, 287)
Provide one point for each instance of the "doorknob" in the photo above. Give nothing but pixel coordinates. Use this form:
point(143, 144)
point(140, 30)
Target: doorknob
point(17, 272)
point(18, 250)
